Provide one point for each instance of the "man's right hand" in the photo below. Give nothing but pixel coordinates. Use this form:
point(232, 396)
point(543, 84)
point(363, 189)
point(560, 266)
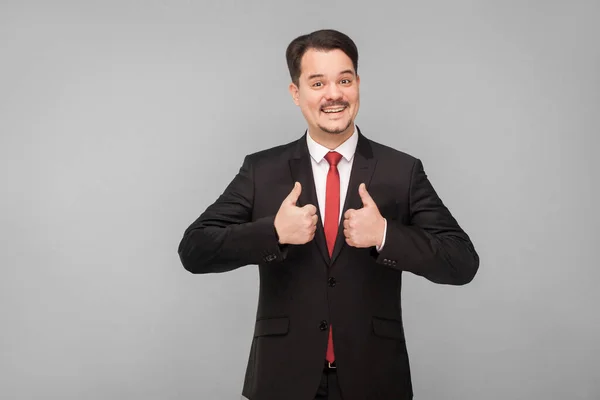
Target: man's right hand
point(295, 225)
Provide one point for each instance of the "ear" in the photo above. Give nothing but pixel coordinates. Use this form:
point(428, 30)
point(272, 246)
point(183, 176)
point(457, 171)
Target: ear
point(295, 93)
point(357, 80)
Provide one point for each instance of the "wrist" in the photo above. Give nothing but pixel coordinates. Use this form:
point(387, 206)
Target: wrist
point(277, 232)
point(280, 240)
point(381, 232)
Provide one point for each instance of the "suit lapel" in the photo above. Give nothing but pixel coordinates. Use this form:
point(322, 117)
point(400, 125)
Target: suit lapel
point(362, 171)
point(301, 170)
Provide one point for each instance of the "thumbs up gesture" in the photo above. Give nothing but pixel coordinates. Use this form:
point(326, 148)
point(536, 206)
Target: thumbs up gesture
point(295, 225)
point(364, 227)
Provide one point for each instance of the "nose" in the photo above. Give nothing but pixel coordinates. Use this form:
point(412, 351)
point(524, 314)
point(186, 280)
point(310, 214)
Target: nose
point(333, 92)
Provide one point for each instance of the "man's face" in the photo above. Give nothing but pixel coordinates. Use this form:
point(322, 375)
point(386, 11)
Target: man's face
point(328, 92)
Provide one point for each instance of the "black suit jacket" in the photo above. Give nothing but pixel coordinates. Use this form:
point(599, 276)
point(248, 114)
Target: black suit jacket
point(303, 290)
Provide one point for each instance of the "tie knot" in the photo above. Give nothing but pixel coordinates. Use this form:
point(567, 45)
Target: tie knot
point(333, 158)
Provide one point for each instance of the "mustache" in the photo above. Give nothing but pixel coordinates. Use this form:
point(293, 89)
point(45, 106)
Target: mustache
point(336, 103)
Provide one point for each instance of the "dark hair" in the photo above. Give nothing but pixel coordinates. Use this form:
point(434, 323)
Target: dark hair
point(325, 39)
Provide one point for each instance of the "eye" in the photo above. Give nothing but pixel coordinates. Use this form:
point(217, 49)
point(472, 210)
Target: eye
point(317, 84)
point(345, 81)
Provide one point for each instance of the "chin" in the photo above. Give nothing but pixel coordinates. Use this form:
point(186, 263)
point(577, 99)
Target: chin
point(336, 129)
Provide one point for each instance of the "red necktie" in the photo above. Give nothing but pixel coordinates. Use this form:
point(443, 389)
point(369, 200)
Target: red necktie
point(332, 215)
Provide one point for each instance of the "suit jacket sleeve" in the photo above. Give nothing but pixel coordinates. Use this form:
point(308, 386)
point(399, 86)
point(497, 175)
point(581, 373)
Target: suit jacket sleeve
point(225, 237)
point(431, 244)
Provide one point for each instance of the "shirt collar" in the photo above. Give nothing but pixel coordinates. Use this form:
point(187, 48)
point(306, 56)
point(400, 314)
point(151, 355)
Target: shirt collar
point(346, 149)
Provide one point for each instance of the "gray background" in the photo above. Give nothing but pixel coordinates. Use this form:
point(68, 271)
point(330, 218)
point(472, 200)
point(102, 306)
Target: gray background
point(121, 121)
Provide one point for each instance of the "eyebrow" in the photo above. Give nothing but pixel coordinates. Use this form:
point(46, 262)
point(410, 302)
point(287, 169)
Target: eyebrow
point(347, 71)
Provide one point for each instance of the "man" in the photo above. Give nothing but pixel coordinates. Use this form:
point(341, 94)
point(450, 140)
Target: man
point(332, 220)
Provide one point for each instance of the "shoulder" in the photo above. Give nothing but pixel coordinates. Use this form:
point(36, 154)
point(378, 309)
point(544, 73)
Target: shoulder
point(273, 156)
point(392, 155)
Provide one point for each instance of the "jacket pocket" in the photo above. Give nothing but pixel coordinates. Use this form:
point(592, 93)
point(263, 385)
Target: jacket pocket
point(388, 328)
point(271, 326)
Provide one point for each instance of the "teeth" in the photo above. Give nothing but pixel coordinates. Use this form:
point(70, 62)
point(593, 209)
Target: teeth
point(334, 110)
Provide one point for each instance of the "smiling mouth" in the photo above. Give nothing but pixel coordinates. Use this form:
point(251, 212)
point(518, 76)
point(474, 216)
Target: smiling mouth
point(333, 110)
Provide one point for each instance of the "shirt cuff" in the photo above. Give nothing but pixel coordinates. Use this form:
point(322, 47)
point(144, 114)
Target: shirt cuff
point(384, 232)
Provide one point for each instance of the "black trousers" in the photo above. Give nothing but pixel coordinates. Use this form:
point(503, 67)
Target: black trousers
point(329, 388)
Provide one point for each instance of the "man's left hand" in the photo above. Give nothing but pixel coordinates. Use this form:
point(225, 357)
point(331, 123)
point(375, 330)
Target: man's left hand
point(364, 227)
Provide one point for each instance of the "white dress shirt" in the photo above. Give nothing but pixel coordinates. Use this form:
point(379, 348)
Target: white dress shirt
point(320, 167)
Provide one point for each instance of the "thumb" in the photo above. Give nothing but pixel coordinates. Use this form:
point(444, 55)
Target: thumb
point(366, 198)
point(294, 194)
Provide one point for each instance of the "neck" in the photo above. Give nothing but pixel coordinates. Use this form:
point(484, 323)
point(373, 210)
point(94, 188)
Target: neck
point(331, 140)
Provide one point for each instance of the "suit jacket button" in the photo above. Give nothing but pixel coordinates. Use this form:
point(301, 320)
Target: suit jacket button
point(323, 325)
point(270, 257)
point(331, 282)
